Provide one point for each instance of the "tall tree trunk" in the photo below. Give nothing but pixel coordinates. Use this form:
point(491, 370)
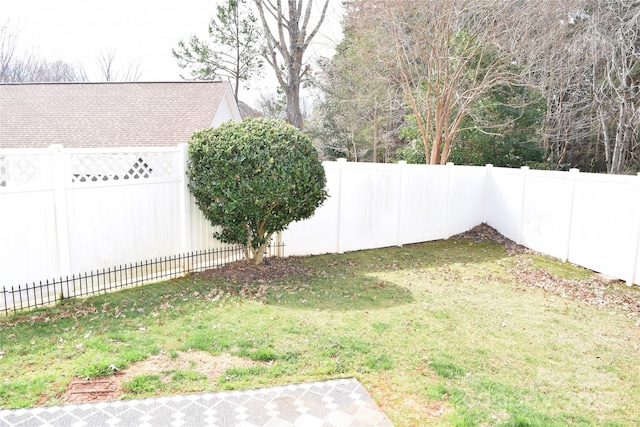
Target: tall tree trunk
point(286, 54)
point(294, 115)
point(624, 135)
point(602, 115)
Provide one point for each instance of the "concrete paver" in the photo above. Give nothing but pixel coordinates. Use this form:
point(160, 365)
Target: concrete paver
point(333, 403)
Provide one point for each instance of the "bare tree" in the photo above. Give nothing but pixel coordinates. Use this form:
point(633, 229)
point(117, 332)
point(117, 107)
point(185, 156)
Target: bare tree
point(445, 55)
point(8, 40)
point(577, 61)
point(109, 72)
point(361, 108)
point(546, 37)
point(29, 67)
point(615, 29)
point(34, 69)
point(235, 47)
point(286, 28)
point(583, 56)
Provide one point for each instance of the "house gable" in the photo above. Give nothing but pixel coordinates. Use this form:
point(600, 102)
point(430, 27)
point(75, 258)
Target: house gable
point(227, 109)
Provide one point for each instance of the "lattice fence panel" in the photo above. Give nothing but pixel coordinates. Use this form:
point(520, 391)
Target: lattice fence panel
point(20, 170)
point(3, 172)
point(101, 167)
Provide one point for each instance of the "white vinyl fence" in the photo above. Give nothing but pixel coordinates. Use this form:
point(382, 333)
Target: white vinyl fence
point(66, 211)
point(373, 205)
point(70, 211)
point(591, 220)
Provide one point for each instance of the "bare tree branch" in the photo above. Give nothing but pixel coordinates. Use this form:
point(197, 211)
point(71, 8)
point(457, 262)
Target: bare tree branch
point(285, 29)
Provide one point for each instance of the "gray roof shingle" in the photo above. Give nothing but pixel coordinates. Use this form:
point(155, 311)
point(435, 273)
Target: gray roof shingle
point(37, 115)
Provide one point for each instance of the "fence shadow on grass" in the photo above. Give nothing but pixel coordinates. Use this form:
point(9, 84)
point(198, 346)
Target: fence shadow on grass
point(360, 280)
point(357, 293)
point(339, 282)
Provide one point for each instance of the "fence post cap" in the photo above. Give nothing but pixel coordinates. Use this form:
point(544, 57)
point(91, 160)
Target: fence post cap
point(342, 160)
point(404, 162)
point(574, 170)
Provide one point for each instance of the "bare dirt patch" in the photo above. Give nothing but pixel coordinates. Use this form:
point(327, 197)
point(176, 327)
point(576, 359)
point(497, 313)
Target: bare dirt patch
point(422, 412)
point(197, 361)
point(82, 390)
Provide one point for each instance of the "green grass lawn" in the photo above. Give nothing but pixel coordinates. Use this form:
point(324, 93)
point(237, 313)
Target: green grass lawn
point(441, 333)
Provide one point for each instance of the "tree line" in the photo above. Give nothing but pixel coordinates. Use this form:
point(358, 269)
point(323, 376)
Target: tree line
point(542, 83)
point(524, 82)
point(17, 66)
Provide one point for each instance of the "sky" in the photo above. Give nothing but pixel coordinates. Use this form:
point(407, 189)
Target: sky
point(136, 31)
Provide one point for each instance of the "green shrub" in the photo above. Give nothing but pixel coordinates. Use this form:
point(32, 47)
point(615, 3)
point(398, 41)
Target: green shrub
point(253, 179)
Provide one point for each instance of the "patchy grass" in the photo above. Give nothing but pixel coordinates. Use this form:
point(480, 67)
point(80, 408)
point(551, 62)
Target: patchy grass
point(563, 270)
point(450, 333)
point(143, 385)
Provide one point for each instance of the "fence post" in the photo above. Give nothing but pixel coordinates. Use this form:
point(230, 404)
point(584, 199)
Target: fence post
point(489, 167)
point(60, 211)
point(341, 165)
point(447, 208)
point(402, 165)
point(185, 205)
point(279, 252)
point(573, 175)
point(524, 170)
point(636, 254)
point(523, 191)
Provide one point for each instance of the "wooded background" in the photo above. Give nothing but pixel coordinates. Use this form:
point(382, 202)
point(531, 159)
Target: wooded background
point(548, 84)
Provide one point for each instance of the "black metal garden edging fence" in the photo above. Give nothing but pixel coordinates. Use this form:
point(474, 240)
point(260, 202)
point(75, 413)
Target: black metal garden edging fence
point(40, 294)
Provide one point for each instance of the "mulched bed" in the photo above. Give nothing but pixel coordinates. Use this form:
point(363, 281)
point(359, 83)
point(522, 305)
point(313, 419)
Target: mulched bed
point(271, 269)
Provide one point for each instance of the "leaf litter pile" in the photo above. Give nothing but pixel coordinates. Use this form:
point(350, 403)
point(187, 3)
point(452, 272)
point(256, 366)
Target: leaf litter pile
point(600, 292)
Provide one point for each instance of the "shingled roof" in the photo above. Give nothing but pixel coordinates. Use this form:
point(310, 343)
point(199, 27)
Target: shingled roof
point(36, 115)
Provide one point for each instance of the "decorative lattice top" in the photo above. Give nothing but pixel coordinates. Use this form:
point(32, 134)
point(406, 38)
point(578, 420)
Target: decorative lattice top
point(100, 167)
point(35, 169)
point(3, 172)
point(24, 170)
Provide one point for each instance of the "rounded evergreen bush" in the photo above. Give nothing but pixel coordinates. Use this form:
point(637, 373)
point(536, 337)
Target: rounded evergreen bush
point(253, 179)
